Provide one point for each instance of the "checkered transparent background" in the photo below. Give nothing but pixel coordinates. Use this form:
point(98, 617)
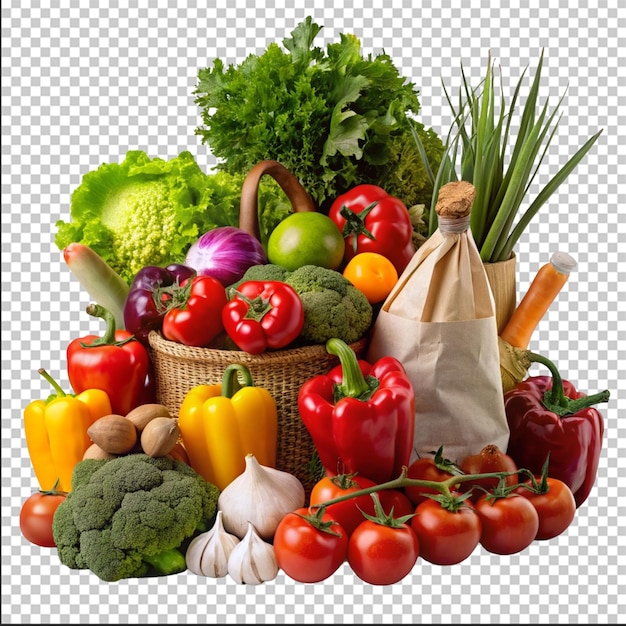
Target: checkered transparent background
point(83, 82)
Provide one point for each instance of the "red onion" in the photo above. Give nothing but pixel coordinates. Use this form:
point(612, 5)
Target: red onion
point(225, 253)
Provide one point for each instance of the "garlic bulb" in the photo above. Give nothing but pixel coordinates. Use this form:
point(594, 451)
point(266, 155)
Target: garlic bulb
point(261, 495)
point(207, 554)
point(252, 560)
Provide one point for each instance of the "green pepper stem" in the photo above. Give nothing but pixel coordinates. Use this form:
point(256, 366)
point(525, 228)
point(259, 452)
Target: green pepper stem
point(556, 400)
point(353, 384)
point(258, 307)
point(108, 339)
point(59, 392)
point(230, 379)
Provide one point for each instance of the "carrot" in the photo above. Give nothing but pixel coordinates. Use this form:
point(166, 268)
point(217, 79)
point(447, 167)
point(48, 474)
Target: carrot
point(544, 288)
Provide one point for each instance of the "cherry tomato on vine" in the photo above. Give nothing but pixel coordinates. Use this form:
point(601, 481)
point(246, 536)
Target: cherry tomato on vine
point(489, 460)
point(446, 537)
point(382, 555)
point(347, 513)
point(36, 517)
point(382, 549)
point(509, 524)
point(310, 547)
point(425, 468)
point(555, 505)
point(396, 500)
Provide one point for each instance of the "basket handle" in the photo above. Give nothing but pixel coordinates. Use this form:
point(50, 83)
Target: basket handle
point(249, 209)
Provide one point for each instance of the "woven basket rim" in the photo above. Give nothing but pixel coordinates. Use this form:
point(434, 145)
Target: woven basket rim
point(209, 355)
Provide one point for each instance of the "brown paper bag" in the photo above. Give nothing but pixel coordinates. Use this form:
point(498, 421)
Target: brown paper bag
point(439, 321)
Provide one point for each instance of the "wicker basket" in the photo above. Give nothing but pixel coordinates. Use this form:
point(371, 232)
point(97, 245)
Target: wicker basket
point(178, 368)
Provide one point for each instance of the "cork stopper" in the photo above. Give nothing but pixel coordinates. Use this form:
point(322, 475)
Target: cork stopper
point(455, 200)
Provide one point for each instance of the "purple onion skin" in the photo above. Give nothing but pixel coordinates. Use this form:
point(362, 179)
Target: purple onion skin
point(140, 309)
point(225, 253)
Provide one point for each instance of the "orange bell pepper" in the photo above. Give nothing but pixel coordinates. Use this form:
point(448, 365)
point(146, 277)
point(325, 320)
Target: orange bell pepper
point(56, 432)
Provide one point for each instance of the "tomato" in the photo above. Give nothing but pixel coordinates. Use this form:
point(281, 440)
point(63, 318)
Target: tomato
point(380, 554)
point(371, 220)
point(556, 507)
point(306, 238)
point(197, 319)
point(446, 537)
point(424, 469)
point(394, 498)
point(347, 513)
point(373, 274)
point(509, 524)
point(306, 553)
point(36, 517)
point(489, 460)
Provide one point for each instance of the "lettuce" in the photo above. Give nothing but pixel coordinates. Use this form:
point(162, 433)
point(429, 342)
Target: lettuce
point(333, 117)
point(147, 211)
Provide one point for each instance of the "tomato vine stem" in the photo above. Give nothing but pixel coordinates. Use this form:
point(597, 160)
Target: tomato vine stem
point(444, 487)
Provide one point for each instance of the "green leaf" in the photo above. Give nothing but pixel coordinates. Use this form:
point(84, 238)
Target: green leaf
point(543, 196)
point(347, 128)
point(502, 168)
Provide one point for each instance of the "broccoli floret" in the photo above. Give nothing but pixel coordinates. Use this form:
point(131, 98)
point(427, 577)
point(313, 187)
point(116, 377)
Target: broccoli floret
point(333, 306)
point(266, 271)
point(130, 516)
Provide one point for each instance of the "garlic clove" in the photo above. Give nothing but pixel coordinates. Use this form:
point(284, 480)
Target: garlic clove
point(261, 495)
point(252, 561)
point(208, 553)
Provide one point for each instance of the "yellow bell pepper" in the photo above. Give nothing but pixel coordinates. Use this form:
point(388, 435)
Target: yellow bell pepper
point(56, 432)
point(220, 424)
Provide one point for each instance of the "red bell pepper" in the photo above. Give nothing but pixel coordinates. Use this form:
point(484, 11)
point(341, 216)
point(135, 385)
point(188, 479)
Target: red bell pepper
point(548, 416)
point(194, 311)
point(371, 220)
point(263, 314)
point(360, 415)
point(116, 363)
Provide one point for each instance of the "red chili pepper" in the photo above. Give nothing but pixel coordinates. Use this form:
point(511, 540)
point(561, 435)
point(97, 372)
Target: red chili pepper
point(360, 416)
point(548, 416)
point(116, 363)
point(371, 220)
point(194, 315)
point(263, 314)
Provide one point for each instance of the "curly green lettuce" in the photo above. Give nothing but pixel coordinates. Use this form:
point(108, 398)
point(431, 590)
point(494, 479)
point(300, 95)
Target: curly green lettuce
point(146, 211)
point(335, 117)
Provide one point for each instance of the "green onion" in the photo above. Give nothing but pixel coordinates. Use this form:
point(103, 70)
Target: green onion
point(479, 141)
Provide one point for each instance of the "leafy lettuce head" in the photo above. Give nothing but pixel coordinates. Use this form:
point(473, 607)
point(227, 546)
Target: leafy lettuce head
point(149, 211)
point(144, 211)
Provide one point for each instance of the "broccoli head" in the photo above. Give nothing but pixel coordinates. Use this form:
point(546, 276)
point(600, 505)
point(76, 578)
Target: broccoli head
point(333, 306)
point(131, 516)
